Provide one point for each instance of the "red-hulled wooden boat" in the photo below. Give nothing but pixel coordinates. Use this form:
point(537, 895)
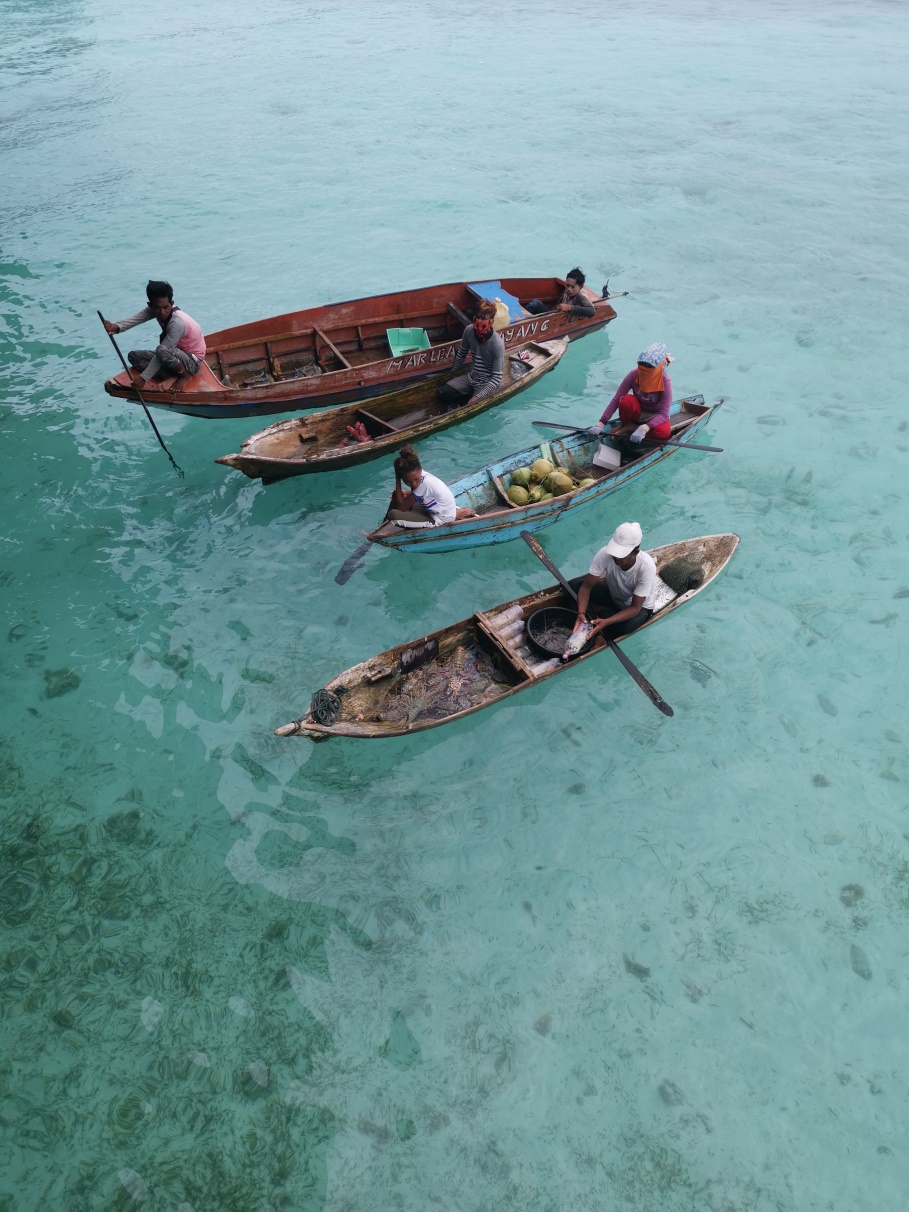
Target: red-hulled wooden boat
point(340, 352)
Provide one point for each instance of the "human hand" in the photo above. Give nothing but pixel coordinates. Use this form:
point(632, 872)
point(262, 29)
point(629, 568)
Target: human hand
point(112, 328)
point(472, 400)
point(639, 434)
point(596, 430)
point(564, 307)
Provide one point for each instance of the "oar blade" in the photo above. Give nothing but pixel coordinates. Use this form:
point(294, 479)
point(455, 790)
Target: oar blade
point(352, 563)
point(652, 693)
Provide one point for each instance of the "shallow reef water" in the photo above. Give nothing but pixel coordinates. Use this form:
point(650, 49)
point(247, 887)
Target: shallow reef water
point(566, 952)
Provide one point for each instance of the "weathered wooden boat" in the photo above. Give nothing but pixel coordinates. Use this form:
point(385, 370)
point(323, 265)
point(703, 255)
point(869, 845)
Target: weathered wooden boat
point(498, 520)
point(475, 663)
point(314, 442)
point(340, 352)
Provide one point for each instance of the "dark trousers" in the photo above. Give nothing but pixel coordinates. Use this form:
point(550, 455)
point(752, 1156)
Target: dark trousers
point(536, 307)
point(456, 392)
point(601, 606)
point(170, 361)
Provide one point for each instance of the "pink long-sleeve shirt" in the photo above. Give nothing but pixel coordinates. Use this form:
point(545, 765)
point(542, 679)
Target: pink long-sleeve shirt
point(661, 401)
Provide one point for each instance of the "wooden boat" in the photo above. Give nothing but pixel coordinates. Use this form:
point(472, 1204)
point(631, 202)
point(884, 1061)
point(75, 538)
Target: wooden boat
point(313, 443)
point(340, 352)
point(476, 662)
point(498, 520)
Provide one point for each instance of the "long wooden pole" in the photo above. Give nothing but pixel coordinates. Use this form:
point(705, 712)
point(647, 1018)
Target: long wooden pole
point(655, 697)
point(179, 470)
point(645, 441)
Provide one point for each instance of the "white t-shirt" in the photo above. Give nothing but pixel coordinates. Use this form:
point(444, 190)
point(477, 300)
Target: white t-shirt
point(638, 582)
point(435, 495)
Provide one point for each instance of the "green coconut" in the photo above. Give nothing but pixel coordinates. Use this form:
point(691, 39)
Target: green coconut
point(561, 483)
point(547, 496)
point(536, 493)
point(539, 470)
point(521, 477)
point(518, 495)
point(586, 483)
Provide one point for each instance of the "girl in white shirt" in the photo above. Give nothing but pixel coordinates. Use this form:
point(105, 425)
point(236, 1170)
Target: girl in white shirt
point(429, 501)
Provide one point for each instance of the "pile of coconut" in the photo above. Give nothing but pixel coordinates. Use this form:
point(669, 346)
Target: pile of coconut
point(541, 482)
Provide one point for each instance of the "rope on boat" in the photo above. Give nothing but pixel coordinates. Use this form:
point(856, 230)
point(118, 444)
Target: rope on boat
point(325, 707)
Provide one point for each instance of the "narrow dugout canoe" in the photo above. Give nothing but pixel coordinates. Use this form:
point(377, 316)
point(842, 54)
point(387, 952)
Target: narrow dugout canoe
point(330, 355)
point(475, 662)
point(498, 521)
point(312, 443)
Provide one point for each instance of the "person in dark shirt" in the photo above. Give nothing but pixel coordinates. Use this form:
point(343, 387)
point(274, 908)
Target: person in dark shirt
point(572, 299)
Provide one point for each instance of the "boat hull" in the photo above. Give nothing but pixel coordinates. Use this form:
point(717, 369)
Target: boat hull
point(346, 344)
point(505, 524)
point(306, 445)
point(364, 687)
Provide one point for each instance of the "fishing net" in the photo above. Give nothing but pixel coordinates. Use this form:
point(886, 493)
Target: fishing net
point(465, 678)
point(325, 707)
point(681, 575)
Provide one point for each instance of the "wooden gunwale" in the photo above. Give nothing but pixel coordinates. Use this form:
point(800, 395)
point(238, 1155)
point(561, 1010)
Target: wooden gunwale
point(511, 517)
point(332, 424)
point(724, 546)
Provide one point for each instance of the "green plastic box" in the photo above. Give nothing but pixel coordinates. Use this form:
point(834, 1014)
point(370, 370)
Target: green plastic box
point(406, 340)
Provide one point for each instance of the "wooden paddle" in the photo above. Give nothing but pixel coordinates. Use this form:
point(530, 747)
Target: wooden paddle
point(352, 563)
point(655, 697)
point(645, 441)
point(179, 470)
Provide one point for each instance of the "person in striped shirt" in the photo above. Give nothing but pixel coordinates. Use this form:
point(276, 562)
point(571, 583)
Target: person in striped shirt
point(487, 351)
point(420, 499)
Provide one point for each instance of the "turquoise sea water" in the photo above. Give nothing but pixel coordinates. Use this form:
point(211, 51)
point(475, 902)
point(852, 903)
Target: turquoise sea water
point(242, 972)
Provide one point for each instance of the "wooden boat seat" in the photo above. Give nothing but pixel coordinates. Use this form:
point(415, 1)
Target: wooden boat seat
point(375, 426)
point(516, 662)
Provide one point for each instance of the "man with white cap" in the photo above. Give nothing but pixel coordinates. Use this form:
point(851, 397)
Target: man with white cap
point(618, 594)
point(643, 398)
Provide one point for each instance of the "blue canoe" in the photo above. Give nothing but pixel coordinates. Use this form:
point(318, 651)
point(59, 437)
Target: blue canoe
point(498, 521)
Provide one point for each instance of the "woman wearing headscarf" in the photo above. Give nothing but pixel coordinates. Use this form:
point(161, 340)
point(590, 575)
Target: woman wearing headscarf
point(487, 350)
point(644, 397)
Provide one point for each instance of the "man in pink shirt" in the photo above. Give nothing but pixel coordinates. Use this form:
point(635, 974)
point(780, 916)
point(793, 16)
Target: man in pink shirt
point(181, 349)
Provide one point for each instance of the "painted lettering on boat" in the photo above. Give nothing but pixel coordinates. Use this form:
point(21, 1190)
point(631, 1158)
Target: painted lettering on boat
point(524, 331)
point(446, 353)
point(441, 353)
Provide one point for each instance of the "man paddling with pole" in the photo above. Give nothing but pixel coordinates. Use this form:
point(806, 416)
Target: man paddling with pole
point(618, 594)
point(181, 348)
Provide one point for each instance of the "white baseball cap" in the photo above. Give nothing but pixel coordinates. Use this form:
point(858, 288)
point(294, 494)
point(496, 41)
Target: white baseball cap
point(626, 538)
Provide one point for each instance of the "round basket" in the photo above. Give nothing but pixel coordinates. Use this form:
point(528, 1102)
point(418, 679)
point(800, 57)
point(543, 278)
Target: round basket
point(545, 620)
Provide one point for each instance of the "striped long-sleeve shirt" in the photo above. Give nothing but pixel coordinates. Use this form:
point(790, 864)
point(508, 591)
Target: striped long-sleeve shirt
point(487, 367)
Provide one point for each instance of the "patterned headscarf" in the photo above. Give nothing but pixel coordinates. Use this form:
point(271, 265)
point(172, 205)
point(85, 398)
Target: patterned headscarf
point(654, 355)
point(483, 328)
